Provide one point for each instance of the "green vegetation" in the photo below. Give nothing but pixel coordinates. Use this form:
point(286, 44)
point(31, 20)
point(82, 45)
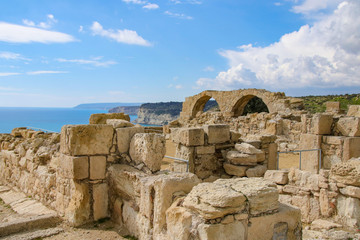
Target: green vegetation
point(172, 108)
point(316, 104)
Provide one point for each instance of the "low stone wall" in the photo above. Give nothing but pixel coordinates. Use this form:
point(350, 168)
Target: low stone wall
point(215, 151)
point(331, 194)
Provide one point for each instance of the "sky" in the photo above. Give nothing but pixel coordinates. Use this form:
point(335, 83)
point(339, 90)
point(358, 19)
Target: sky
point(62, 53)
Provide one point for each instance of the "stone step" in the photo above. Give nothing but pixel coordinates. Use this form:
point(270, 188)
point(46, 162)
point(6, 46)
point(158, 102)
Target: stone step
point(28, 214)
point(37, 234)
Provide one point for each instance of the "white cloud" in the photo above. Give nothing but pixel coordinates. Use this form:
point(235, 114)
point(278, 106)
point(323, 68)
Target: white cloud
point(121, 36)
point(45, 72)
point(135, 1)
point(209, 69)
point(12, 56)
point(94, 61)
point(14, 33)
point(186, 1)
point(326, 54)
point(6, 74)
point(311, 6)
point(50, 21)
point(178, 15)
point(151, 6)
point(179, 86)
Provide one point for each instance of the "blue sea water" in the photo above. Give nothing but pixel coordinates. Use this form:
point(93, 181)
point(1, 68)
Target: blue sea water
point(45, 118)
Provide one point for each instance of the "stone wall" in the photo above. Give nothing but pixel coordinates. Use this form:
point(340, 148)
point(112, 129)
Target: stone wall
point(215, 151)
point(332, 194)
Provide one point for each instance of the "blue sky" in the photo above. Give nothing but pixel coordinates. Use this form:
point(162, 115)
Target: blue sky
point(63, 53)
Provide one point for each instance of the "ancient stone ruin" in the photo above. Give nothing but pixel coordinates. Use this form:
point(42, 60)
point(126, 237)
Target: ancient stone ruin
point(232, 189)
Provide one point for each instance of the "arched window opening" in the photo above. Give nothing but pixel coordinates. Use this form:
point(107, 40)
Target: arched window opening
point(211, 106)
point(203, 105)
point(255, 105)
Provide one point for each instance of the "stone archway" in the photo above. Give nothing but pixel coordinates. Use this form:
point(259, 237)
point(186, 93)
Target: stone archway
point(239, 107)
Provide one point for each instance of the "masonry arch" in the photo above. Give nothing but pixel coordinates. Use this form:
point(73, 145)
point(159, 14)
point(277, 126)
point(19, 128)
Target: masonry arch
point(245, 104)
point(200, 103)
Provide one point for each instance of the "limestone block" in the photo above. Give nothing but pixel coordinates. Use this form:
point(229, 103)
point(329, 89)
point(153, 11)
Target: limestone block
point(284, 224)
point(130, 218)
point(100, 201)
point(333, 107)
point(349, 126)
point(237, 158)
point(100, 118)
point(125, 181)
point(212, 200)
point(124, 136)
point(205, 150)
point(351, 148)
point(333, 140)
point(321, 124)
point(277, 176)
point(261, 194)
point(353, 111)
point(303, 203)
point(234, 136)
point(247, 148)
point(218, 133)
point(188, 136)
point(320, 224)
point(310, 160)
point(116, 213)
point(119, 123)
point(231, 231)
point(272, 156)
point(86, 139)
point(148, 148)
point(351, 191)
point(257, 171)
point(178, 221)
point(73, 167)
point(77, 211)
point(347, 172)
point(348, 210)
point(326, 207)
point(234, 170)
point(97, 167)
point(162, 190)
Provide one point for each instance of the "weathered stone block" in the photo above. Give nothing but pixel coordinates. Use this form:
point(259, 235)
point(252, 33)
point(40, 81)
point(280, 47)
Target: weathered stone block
point(351, 191)
point(257, 171)
point(124, 136)
point(119, 123)
point(148, 148)
point(347, 172)
point(237, 158)
point(178, 221)
point(188, 136)
point(353, 111)
point(277, 176)
point(186, 153)
point(349, 126)
point(232, 231)
point(213, 200)
point(333, 107)
point(247, 148)
point(77, 211)
point(348, 210)
point(234, 170)
point(205, 150)
point(97, 167)
point(100, 118)
point(351, 148)
point(74, 167)
point(310, 160)
point(86, 139)
point(100, 201)
point(284, 224)
point(261, 194)
point(272, 156)
point(218, 133)
point(321, 124)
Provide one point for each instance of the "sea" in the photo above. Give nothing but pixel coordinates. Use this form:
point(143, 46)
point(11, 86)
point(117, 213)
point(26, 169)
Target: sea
point(50, 119)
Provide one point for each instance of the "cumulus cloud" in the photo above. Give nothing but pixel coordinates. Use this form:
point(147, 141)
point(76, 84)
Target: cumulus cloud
point(178, 15)
point(135, 1)
point(122, 36)
point(186, 1)
point(45, 72)
point(151, 6)
point(326, 54)
point(94, 61)
point(311, 6)
point(50, 21)
point(14, 33)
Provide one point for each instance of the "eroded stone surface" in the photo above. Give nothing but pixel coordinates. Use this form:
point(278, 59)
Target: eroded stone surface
point(347, 172)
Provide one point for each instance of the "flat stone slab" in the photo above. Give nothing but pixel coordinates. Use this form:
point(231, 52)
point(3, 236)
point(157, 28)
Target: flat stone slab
point(39, 234)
